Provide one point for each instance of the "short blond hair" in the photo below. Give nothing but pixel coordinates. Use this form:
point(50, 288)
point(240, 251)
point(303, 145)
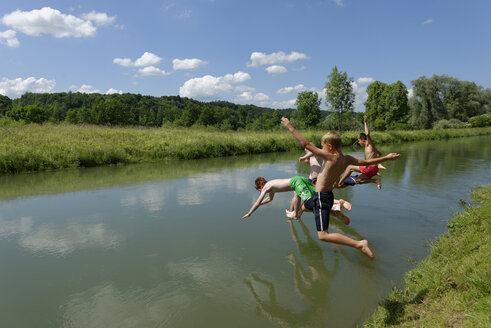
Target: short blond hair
point(332, 138)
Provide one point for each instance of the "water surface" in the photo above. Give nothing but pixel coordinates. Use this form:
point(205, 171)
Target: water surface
point(163, 245)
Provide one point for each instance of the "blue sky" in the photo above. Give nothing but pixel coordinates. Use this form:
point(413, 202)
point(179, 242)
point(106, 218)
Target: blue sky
point(257, 52)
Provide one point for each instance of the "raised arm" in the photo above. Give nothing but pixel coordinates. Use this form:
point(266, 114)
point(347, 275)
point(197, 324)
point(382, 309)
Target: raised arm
point(259, 202)
point(360, 161)
point(301, 139)
point(367, 132)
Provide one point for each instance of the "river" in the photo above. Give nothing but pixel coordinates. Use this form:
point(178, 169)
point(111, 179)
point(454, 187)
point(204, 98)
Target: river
point(163, 245)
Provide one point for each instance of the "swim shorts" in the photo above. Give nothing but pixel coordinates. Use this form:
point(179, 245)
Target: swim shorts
point(350, 181)
point(323, 201)
point(302, 187)
point(309, 203)
point(369, 170)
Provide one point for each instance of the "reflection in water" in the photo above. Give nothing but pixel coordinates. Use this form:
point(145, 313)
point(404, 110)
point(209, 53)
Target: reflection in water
point(311, 284)
point(60, 240)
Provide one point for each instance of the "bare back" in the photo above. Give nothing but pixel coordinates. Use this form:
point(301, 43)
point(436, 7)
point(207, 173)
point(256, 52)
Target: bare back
point(277, 185)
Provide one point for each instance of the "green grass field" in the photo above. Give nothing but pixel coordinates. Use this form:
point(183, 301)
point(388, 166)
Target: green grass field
point(35, 147)
point(452, 286)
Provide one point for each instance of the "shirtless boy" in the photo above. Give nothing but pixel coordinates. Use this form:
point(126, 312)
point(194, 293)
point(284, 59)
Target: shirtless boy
point(301, 185)
point(334, 164)
point(368, 171)
point(296, 208)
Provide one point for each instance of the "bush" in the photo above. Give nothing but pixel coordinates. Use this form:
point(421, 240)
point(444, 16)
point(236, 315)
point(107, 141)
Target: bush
point(481, 120)
point(448, 124)
point(8, 121)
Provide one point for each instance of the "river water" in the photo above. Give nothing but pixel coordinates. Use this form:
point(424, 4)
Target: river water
point(163, 245)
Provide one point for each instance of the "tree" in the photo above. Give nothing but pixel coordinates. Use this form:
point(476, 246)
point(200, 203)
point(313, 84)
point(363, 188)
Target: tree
point(5, 104)
point(339, 94)
point(308, 107)
point(387, 105)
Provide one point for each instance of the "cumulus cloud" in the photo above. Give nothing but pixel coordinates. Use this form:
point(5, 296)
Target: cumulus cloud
point(410, 93)
point(297, 88)
point(360, 89)
point(99, 18)
point(147, 59)
point(152, 70)
point(113, 91)
point(8, 37)
point(86, 88)
point(18, 86)
point(428, 21)
point(284, 104)
point(50, 21)
point(192, 63)
point(209, 86)
point(276, 69)
point(248, 96)
point(262, 59)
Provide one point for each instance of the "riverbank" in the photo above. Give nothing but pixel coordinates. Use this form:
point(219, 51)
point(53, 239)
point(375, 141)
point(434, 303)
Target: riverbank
point(33, 147)
point(451, 287)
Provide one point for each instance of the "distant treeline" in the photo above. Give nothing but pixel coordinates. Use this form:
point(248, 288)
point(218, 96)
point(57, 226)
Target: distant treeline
point(438, 102)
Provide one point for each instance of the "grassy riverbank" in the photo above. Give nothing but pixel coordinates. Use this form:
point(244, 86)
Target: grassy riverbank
point(450, 288)
point(35, 147)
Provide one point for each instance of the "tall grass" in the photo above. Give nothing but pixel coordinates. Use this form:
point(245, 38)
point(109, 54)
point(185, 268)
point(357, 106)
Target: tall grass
point(450, 288)
point(35, 147)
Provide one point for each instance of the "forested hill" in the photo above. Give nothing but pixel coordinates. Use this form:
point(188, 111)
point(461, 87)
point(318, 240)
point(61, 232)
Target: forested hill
point(136, 109)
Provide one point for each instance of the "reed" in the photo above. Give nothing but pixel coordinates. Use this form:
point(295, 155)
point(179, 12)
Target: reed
point(36, 147)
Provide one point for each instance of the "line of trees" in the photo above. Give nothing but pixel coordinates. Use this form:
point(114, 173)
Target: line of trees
point(437, 102)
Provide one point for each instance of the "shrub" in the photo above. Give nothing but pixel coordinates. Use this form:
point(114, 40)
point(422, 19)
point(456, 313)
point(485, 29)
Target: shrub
point(480, 120)
point(448, 124)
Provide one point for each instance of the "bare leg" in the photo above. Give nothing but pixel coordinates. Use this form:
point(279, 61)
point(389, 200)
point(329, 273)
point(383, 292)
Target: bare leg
point(381, 167)
point(295, 211)
point(341, 216)
point(345, 204)
point(347, 173)
point(337, 238)
point(362, 179)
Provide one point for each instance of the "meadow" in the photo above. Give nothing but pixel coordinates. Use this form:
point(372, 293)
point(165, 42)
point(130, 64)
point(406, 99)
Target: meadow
point(34, 147)
point(450, 288)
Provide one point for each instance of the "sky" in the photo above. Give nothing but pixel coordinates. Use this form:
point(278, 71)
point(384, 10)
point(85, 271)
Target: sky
point(242, 51)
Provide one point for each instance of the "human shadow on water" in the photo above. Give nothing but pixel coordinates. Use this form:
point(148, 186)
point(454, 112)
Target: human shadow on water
point(311, 284)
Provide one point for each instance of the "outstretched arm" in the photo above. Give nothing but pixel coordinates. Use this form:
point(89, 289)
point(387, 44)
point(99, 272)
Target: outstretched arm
point(359, 161)
point(367, 132)
point(260, 202)
point(300, 138)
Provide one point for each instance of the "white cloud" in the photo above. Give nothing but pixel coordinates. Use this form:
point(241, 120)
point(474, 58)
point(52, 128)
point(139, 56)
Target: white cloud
point(428, 21)
point(300, 69)
point(113, 91)
point(365, 80)
point(186, 13)
point(297, 88)
point(248, 96)
point(99, 18)
point(8, 37)
point(192, 63)
point(18, 86)
point(209, 86)
point(122, 61)
point(243, 88)
point(262, 59)
point(410, 93)
point(147, 59)
point(284, 104)
point(49, 21)
point(152, 70)
point(360, 92)
point(339, 2)
point(85, 88)
point(276, 69)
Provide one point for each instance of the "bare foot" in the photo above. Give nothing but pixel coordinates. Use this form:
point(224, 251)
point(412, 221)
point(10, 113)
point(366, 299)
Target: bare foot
point(345, 204)
point(291, 214)
point(379, 184)
point(381, 167)
point(365, 250)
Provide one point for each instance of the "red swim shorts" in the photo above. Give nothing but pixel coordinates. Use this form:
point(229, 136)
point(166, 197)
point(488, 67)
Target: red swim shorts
point(369, 170)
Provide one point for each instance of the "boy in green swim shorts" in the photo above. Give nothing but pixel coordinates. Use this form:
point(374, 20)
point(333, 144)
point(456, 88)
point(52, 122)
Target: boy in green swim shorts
point(299, 184)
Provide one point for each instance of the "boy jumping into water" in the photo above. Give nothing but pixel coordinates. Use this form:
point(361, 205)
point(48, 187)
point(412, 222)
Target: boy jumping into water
point(296, 208)
point(334, 164)
point(301, 185)
point(368, 171)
